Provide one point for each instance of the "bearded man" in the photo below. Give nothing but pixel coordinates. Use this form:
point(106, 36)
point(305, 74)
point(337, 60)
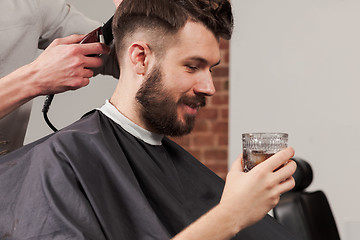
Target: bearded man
point(115, 175)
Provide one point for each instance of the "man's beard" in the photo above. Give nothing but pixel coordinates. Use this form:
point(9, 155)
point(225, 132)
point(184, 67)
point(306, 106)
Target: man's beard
point(159, 109)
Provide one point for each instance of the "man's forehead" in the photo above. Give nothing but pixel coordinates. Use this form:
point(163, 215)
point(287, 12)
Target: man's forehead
point(195, 42)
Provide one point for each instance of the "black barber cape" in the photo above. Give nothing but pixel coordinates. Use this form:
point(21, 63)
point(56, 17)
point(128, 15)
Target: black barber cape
point(94, 180)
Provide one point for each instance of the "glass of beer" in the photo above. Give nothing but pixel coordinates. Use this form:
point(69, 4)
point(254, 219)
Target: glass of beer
point(257, 147)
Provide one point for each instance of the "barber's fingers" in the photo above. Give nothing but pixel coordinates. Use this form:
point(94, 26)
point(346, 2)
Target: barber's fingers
point(279, 159)
point(72, 39)
point(92, 62)
point(80, 78)
point(87, 73)
point(78, 83)
point(94, 48)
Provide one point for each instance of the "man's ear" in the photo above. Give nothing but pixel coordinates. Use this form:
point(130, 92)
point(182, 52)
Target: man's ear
point(139, 54)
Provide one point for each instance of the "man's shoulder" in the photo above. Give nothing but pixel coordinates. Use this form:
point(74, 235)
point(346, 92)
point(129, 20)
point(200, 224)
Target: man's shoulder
point(187, 162)
point(89, 122)
point(86, 131)
point(72, 138)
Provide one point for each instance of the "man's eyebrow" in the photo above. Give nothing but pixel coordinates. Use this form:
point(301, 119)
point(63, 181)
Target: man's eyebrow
point(204, 61)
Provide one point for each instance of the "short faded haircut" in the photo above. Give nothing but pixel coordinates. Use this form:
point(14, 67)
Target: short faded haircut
point(162, 19)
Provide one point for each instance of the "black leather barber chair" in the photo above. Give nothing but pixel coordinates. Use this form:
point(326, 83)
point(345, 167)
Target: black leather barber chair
point(306, 214)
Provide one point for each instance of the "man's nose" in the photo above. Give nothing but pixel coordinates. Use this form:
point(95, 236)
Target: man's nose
point(205, 85)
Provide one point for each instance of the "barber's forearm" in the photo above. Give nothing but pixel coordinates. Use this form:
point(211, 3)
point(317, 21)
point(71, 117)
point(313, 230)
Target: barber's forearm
point(16, 89)
point(219, 223)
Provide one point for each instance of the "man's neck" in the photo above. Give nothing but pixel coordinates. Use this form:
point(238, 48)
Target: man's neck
point(123, 98)
point(137, 131)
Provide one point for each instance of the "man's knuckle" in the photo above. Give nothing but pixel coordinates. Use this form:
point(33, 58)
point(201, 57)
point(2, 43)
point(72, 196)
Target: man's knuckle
point(74, 50)
point(77, 61)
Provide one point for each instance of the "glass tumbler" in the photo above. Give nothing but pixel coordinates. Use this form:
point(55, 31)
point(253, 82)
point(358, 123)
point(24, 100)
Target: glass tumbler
point(257, 147)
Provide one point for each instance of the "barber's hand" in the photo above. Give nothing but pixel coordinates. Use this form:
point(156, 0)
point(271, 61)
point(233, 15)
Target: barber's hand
point(64, 65)
point(117, 2)
point(250, 196)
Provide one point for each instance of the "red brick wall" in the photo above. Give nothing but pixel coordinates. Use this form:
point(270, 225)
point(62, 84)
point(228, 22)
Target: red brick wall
point(209, 140)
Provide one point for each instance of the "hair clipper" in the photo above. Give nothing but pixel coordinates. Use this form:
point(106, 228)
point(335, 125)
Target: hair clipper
point(102, 34)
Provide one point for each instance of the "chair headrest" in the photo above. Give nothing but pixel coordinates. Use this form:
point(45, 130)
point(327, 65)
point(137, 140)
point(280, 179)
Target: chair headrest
point(303, 175)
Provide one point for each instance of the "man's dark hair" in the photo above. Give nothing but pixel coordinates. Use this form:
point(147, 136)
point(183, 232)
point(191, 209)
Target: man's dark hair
point(164, 18)
point(216, 15)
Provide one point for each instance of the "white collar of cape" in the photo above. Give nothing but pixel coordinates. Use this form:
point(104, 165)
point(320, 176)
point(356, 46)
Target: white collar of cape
point(149, 137)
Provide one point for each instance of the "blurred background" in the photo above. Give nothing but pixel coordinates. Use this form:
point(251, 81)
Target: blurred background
point(291, 66)
point(295, 68)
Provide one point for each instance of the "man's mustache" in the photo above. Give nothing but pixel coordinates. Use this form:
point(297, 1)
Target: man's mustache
point(196, 101)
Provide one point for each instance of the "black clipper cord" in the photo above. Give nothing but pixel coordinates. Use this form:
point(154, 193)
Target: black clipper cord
point(102, 34)
point(45, 110)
